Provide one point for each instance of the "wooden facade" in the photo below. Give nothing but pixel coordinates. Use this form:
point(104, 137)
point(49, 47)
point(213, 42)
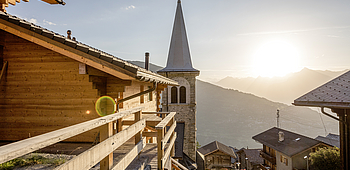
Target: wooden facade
point(47, 85)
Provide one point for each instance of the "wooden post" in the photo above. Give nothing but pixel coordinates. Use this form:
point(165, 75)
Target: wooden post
point(105, 132)
point(138, 117)
point(172, 153)
point(120, 125)
point(160, 149)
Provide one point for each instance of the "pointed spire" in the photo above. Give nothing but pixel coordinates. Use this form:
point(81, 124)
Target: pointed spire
point(179, 57)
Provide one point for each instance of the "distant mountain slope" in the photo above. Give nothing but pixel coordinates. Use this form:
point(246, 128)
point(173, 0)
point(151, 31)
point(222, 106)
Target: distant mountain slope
point(281, 89)
point(233, 117)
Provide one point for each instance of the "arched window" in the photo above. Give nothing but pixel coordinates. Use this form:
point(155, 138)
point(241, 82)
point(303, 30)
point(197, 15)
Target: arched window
point(174, 95)
point(182, 94)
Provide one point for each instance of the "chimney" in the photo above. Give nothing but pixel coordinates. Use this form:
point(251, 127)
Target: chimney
point(69, 32)
point(147, 60)
point(280, 136)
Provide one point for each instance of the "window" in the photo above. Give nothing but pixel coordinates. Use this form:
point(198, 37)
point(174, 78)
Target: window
point(284, 160)
point(173, 95)
point(182, 94)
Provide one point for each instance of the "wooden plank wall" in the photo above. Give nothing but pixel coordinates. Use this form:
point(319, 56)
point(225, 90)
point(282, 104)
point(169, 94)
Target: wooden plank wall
point(43, 91)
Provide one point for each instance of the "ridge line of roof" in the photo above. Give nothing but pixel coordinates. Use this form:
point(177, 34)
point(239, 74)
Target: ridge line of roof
point(92, 51)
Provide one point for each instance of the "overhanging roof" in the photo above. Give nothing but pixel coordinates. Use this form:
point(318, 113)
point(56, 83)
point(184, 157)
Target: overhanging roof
point(333, 94)
point(292, 144)
point(78, 51)
point(216, 146)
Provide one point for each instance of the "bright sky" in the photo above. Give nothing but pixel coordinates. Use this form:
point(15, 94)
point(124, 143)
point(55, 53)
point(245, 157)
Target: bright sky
point(227, 37)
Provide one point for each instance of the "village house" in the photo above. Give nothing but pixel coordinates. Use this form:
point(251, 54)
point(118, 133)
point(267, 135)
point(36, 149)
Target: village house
point(285, 150)
point(333, 95)
point(215, 156)
point(54, 84)
point(249, 159)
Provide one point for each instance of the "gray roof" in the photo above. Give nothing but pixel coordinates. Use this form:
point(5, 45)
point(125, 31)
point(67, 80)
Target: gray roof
point(292, 144)
point(216, 146)
point(253, 156)
point(333, 94)
point(179, 57)
point(330, 139)
point(98, 55)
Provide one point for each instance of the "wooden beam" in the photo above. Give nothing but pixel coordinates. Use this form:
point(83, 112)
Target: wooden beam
point(149, 134)
point(20, 148)
point(148, 122)
point(91, 157)
point(168, 151)
point(165, 121)
point(156, 113)
point(168, 134)
point(12, 2)
point(178, 164)
point(160, 150)
point(66, 51)
point(106, 131)
point(138, 117)
point(129, 157)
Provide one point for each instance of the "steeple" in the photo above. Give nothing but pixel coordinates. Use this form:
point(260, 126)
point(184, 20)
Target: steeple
point(179, 57)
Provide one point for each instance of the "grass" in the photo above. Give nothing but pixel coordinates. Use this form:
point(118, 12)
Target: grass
point(33, 159)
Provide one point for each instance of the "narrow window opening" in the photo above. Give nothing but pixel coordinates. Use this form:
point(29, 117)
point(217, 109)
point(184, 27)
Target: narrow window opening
point(182, 94)
point(174, 95)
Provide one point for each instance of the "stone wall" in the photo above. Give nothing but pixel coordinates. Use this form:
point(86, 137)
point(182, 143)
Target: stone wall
point(186, 112)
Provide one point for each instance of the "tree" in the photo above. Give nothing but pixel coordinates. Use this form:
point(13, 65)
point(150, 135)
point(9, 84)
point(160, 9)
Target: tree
point(326, 158)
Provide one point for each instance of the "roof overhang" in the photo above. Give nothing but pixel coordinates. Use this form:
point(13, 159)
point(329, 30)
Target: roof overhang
point(81, 52)
point(335, 105)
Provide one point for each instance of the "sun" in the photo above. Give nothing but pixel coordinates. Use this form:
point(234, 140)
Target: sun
point(275, 59)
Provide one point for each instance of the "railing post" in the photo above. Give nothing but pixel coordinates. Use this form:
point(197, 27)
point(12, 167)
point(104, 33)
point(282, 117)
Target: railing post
point(160, 150)
point(120, 125)
point(105, 132)
point(172, 153)
point(138, 117)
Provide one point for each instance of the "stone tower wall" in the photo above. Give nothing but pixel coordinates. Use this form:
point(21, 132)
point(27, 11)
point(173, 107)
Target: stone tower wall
point(186, 113)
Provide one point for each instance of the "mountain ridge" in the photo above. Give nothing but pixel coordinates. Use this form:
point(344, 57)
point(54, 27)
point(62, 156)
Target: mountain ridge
point(233, 117)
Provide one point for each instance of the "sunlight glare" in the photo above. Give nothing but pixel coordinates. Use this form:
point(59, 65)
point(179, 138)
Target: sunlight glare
point(275, 58)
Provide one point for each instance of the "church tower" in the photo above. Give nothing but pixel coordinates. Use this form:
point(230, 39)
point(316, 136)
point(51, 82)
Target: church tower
point(182, 98)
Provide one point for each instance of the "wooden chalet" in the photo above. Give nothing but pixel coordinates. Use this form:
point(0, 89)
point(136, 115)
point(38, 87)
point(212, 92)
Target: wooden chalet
point(215, 155)
point(334, 95)
point(50, 84)
point(285, 150)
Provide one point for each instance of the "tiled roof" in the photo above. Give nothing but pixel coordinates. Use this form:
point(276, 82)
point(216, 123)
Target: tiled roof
point(138, 72)
point(215, 146)
point(292, 144)
point(253, 156)
point(334, 94)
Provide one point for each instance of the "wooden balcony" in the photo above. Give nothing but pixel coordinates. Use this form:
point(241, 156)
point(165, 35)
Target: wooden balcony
point(267, 157)
point(118, 148)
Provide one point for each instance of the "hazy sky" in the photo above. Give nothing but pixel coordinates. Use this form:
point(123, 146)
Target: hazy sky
point(225, 36)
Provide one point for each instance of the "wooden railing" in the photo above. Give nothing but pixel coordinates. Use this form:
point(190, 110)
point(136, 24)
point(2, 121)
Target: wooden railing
point(99, 153)
point(110, 140)
point(163, 136)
